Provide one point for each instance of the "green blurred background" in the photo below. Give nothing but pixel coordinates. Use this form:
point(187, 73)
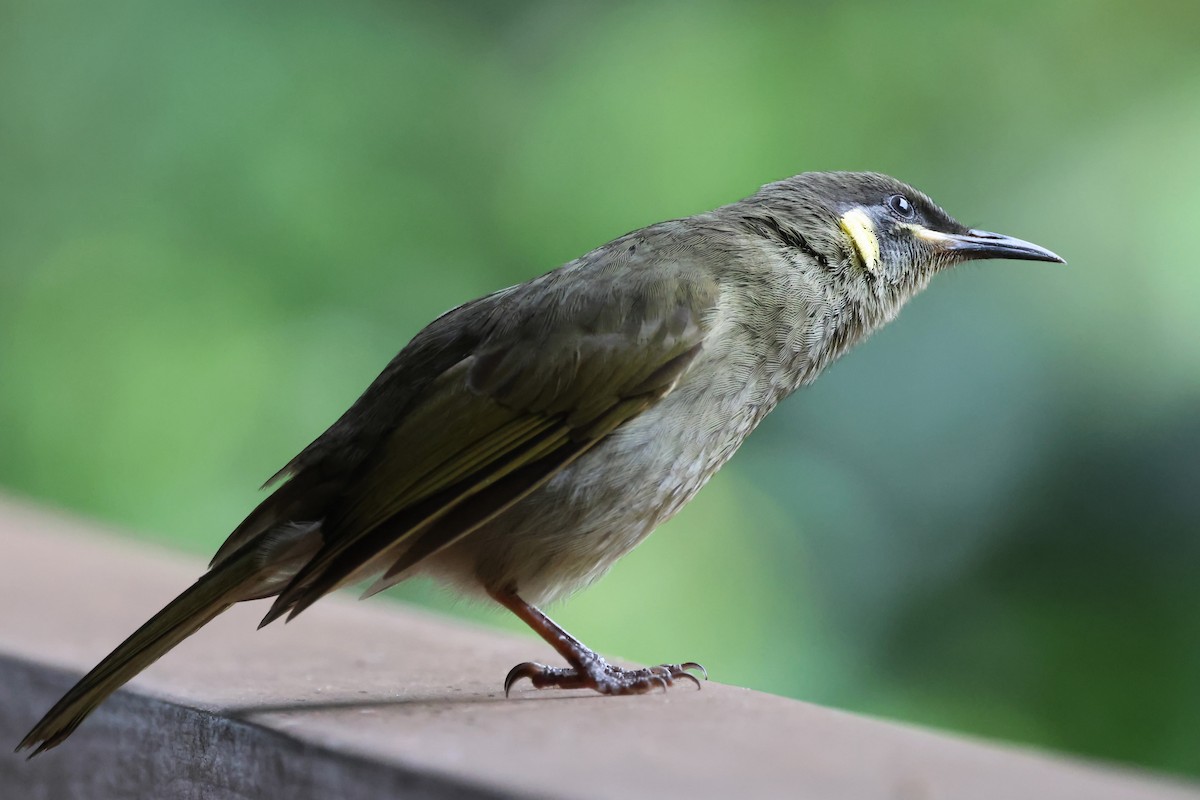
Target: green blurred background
point(218, 220)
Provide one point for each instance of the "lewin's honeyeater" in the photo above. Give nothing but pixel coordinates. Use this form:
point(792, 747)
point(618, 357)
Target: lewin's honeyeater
point(523, 442)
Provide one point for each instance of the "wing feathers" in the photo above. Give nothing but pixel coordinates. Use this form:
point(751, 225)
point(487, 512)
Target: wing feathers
point(334, 565)
point(548, 379)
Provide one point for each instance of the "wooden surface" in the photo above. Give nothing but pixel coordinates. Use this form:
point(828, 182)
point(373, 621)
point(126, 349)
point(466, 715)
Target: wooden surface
point(375, 700)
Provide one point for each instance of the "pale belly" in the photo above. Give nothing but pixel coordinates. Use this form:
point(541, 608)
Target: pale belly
point(569, 532)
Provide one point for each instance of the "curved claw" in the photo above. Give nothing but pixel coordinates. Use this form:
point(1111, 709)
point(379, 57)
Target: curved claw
point(603, 677)
point(527, 669)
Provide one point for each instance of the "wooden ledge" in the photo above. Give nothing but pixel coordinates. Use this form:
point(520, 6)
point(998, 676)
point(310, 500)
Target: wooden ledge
point(374, 700)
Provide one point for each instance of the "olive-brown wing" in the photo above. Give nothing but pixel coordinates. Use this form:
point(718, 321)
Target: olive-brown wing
point(556, 374)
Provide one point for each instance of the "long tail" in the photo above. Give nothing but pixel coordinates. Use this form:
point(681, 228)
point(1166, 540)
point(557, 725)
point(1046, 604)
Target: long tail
point(246, 575)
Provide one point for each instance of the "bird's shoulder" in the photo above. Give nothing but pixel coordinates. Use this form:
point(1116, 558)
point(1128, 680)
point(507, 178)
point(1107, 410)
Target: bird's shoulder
point(609, 322)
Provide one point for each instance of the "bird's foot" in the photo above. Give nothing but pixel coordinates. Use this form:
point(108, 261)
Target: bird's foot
point(588, 670)
point(605, 678)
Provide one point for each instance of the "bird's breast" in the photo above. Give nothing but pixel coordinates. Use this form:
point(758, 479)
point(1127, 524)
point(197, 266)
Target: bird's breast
point(568, 532)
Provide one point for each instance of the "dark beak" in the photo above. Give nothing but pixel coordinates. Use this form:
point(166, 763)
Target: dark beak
point(984, 244)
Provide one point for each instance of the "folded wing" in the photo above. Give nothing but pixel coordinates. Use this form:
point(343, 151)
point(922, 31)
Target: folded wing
point(552, 368)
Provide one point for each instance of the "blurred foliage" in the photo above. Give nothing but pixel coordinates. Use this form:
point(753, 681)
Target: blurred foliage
point(220, 219)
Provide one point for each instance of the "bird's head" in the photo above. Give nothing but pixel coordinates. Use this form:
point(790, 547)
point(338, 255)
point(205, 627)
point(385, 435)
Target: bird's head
point(885, 232)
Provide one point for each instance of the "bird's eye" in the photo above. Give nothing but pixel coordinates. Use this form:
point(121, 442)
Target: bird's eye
point(901, 206)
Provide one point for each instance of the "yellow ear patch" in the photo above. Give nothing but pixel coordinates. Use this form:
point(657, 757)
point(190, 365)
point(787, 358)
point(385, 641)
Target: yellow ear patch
point(861, 230)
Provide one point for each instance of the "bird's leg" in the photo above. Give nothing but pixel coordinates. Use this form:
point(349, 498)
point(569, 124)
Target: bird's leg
point(588, 670)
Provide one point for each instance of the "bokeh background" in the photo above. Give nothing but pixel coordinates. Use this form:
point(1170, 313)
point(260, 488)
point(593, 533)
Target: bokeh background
point(219, 219)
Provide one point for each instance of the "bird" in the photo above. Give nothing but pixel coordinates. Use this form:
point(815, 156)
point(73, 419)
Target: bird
point(522, 442)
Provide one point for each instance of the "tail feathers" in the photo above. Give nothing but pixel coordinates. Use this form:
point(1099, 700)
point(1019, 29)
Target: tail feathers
point(199, 604)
